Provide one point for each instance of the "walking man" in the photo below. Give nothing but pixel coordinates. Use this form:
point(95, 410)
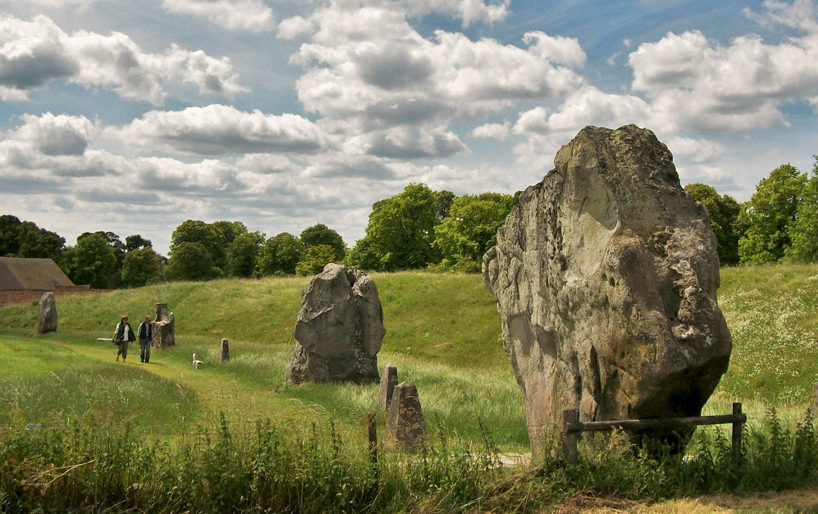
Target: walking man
point(145, 334)
point(123, 335)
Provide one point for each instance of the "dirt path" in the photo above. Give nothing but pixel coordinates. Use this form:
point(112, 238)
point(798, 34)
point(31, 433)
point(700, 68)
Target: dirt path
point(799, 500)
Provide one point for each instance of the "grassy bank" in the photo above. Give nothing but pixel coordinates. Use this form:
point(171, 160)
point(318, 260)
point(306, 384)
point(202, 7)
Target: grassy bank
point(442, 333)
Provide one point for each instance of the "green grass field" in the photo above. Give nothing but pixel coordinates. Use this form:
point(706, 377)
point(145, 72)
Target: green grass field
point(443, 334)
point(462, 373)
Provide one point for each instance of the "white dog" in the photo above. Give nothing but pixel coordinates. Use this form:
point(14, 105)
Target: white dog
point(196, 362)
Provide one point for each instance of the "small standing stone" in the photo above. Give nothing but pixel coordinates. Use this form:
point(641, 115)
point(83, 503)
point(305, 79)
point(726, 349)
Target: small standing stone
point(164, 333)
point(224, 354)
point(813, 406)
point(389, 380)
point(47, 313)
point(405, 427)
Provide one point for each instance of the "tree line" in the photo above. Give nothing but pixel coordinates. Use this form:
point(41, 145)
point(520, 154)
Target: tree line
point(418, 228)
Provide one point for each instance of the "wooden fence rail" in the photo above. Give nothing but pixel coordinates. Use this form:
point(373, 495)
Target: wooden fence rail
point(572, 427)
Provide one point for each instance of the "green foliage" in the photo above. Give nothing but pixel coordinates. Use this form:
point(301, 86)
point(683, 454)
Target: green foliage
point(9, 235)
point(471, 227)
point(724, 211)
point(226, 233)
point(803, 231)
point(242, 254)
point(26, 239)
point(320, 234)
point(135, 242)
point(91, 261)
point(769, 214)
point(400, 232)
point(140, 267)
point(118, 248)
point(280, 254)
point(315, 258)
point(191, 261)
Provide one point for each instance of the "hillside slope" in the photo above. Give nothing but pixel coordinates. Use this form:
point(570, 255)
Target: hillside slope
point(451, 319)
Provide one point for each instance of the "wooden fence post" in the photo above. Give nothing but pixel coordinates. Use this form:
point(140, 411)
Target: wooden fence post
point(737, 425)
point(569, 437)
point(372, 430)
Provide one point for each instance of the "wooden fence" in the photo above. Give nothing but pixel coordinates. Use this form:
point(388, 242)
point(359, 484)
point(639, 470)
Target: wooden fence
point(572, 427)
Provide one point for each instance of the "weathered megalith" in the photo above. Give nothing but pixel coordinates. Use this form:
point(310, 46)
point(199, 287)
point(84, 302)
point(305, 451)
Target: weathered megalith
point(405, 426)
point(224, 351)
point(339, 329)
point(47, 313)
point(605, 275)
point(389, 380)
point(164, 327)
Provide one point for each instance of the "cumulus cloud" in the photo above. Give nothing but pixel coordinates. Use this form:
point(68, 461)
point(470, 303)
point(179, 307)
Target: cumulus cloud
point(373, 77)
point(695, 150)
point(249, 15)
point(468, 11)
point(707, 87)
point(413, 143)
point(55, 135)
point(587, 106)
point(498, 131)
point(221, 129)
point(35, 53)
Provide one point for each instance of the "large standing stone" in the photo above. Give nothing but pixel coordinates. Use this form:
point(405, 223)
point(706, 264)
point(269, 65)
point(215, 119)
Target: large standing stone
point(389, 380)
point(164, 327)
point(47, 313)
point(339, 329)
point(405, 426)
point(605, 275)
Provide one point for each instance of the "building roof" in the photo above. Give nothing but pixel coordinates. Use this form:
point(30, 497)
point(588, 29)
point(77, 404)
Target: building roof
point(18, 273)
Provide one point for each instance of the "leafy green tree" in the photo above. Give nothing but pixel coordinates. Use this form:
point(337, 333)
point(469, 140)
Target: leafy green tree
point(444, 201)
point(118, 248)
point(280, 254)
point(471, 227)
point(242, 254)
point(320, 234)
point(227, 232)
point(724, 211)
point(315, 258)
point(197, 231)
point(768, 215)
point(400, 232)
point(39, 242)
point(91, 261)
point(9, 235)
point(140, 267)
point(135, 242)
point(191, 261)
point(215, 237)
point(803, 231)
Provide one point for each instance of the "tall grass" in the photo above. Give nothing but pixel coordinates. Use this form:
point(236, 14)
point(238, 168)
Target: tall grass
point(266, 466)
point(770, 311)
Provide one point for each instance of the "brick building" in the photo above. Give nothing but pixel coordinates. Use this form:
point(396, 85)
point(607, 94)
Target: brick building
point(25, 280)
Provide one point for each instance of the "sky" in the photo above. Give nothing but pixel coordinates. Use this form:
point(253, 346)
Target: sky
point(133, 116)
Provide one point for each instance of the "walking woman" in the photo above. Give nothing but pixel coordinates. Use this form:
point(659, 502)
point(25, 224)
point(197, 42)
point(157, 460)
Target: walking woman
point(123, 335)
